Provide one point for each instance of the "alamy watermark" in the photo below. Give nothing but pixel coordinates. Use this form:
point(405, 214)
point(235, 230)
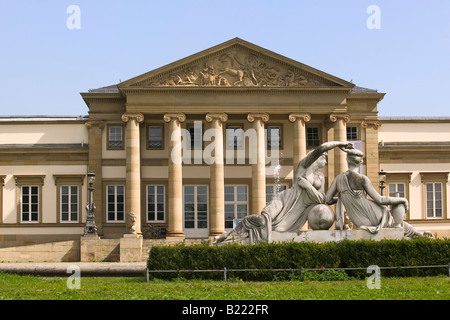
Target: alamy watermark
point(374, 281)
point(74, 280)
point(374, 20)
point(74, 20)
point(241, 147)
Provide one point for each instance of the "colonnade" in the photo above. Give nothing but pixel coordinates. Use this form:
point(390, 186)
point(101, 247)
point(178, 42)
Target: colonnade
point(217, 182)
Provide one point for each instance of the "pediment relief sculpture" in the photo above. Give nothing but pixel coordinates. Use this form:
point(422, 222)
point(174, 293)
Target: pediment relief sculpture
point(238, 69)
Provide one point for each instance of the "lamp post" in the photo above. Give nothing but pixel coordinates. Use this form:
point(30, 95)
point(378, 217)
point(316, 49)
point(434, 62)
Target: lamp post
point(90, 229)
point(382, 176)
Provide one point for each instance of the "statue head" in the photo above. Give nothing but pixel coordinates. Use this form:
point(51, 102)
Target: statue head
point(131, 222)
point(354, 157)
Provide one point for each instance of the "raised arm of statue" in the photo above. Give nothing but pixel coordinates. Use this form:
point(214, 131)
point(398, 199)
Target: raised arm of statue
point(317, 153)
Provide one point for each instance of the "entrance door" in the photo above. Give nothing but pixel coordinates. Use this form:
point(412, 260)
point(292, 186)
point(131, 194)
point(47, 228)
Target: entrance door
point(195, 199)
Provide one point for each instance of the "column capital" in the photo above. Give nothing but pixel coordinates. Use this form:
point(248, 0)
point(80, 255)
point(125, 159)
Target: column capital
point(99, 124)
point(139, 117)
point(223, 117)
point(335, 116)
point(263, 116)
point(375, 124)
point(306, 117)
point(174, 116)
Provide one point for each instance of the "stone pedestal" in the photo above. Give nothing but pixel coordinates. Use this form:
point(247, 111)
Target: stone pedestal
point(131, 248)
point(321, 236)
point(88, 248)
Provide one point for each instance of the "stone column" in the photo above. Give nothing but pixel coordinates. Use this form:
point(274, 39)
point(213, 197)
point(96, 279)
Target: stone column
point(299, 142)
point(95, 131)
point(175, 207)
point(217, 182)
point(340, 134)
point(259, 164)
point(133, 166)
point(371, 150)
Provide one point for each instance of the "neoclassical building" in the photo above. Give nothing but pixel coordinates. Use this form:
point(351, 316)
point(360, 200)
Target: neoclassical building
point(196, 144)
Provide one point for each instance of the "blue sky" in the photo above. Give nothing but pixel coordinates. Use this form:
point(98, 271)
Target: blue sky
point(45, 65)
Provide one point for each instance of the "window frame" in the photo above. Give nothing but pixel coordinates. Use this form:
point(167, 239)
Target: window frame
point(156, 185)
point(69, 180)
point(434, 177)
point(280, 141)
point(235, 202)
point(151, 125)
point(29, 181)
point(115, 185)
point(108, 136)
point(319, 135)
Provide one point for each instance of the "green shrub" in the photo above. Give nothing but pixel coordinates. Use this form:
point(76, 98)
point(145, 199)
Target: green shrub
point(297, 255)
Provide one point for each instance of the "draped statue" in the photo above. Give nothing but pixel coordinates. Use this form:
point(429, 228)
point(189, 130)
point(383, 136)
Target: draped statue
point(288, 211)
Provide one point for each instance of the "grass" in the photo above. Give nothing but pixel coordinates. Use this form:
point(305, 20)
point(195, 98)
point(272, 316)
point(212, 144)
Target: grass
point(17, 287)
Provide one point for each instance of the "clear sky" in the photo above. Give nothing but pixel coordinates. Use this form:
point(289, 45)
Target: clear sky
point(401, 49)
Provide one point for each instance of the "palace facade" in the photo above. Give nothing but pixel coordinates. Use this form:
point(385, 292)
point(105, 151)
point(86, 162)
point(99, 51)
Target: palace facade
point(196, 144)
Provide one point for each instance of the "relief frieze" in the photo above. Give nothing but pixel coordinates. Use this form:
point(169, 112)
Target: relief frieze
point(237, 69)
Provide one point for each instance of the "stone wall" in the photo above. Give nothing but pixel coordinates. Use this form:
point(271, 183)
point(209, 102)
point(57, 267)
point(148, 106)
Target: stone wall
point(25, 251)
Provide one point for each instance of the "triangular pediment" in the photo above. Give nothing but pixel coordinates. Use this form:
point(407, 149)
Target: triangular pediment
point(236, 63)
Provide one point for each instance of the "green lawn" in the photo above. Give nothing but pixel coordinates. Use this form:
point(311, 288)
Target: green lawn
point(16, 287)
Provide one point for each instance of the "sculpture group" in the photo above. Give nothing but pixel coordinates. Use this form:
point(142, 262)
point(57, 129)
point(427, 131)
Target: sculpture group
point(306, 201)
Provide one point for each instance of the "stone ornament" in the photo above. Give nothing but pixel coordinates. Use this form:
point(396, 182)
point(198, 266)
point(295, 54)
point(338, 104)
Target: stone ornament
point(139, 117)
point(131, 223)
point(238, 68)
point(253, 116)
point(181, 117)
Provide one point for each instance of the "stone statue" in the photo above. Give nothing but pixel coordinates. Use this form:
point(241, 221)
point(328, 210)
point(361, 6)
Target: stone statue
point(367, 214)
point(131, 223)
point(289, 210)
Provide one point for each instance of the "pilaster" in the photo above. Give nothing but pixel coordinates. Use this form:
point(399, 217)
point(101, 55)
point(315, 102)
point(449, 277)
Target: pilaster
point(95, 136)
point(340, 134)
point(299, 142)
point(371, 150)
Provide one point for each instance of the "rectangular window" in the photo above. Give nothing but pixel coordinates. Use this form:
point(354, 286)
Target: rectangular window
point(235, 135)
point(434, 200)
point(397, 190)
point(115, 203)
point(155, 137)
point(195, 207)
point(274, 137)
point(236, 204)
point(273, 190)
point(30, 203)
point(312, 137)
point(352, 133)
point(155, 203)
point(196, 136)
point(69, 203)
point(115, 137)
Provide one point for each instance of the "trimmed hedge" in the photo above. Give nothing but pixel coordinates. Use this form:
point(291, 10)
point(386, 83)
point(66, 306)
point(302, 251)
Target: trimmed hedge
point(296, 255)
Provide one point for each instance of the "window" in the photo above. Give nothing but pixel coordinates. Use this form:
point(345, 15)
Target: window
point(352, 133)
point(69, 203)
point(274, 137)
point(115, 137)
point(236, 204)
point(30, 203)
point(273, 190)
point(434, 200)
point(155, 137)
point(29, 189)
point(434, 186)
point(312, 137)
point(195, 207)
point(196, 135)
point(235, 135)
point(396, 190)
point(115, 203)
point(69, 196)
point(155, 203)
